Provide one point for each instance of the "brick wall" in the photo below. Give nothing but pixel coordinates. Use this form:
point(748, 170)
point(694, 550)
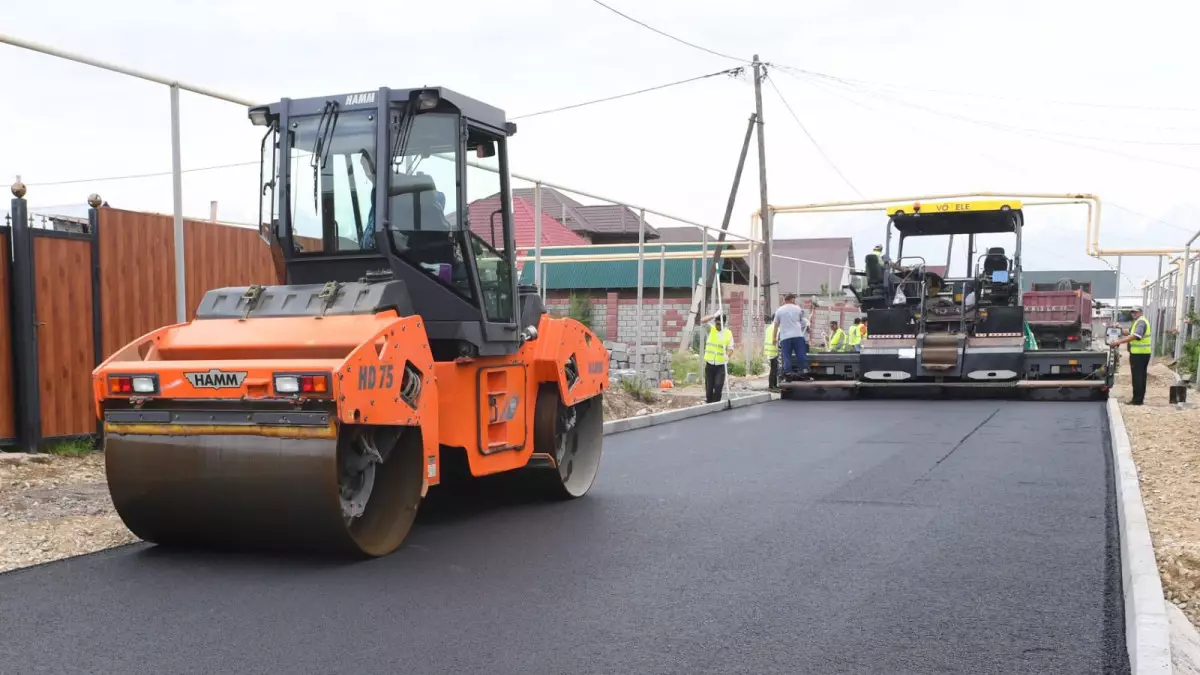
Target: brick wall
point(615, 316)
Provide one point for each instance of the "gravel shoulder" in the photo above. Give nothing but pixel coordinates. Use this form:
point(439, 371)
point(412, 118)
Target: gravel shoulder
point(1166, 449)
point(55, 507)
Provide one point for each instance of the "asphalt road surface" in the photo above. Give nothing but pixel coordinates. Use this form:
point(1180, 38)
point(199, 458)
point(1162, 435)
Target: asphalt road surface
point(793, 537)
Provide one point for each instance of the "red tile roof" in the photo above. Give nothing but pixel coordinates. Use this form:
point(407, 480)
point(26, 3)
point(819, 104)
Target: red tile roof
point(554, 233)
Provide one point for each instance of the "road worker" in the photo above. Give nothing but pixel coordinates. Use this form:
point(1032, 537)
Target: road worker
point(718, 348)
point(771, 354)
point(1139, 354)
point(855, 335)
point(837, 341)
point(791, 334)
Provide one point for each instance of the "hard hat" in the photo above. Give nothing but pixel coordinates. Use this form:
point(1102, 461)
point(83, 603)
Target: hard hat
point(1136, 309)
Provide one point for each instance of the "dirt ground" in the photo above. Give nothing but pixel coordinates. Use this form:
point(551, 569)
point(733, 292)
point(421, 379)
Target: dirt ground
point(619, 405)
point(55, 507)
point(1166, 449)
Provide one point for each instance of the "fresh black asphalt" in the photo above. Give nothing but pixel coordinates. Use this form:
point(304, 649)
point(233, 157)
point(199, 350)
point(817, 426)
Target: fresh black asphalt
point(882, 537)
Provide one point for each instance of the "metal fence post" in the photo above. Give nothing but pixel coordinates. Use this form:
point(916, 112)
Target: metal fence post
point(97, 306)
point(537, 233)
point(662, 294)
point(1117, 301)
point(703, 274)
point(1156, 321)
point(637, 339)
point(181, 308)
point(26, 380)
point(94, 202)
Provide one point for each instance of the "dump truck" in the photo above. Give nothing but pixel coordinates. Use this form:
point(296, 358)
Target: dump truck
point(316, 414)
point(1060, 314)
point(934, 334)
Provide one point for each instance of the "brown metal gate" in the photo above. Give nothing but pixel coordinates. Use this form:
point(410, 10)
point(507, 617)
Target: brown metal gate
point(62, 267)
point(62, 312)
point(8, 430)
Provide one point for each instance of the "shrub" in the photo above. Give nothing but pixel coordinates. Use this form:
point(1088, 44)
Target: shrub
point(581, 309)
point(684, 364)
point(638, 390)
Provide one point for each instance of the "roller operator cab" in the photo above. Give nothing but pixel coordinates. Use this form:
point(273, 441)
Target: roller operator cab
point(928, 330)
point(318, 412)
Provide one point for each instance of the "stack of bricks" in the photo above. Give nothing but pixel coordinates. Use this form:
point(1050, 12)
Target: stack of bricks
point(651, 364)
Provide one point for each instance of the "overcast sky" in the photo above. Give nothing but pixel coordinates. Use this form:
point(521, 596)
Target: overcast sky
point(1006, 126)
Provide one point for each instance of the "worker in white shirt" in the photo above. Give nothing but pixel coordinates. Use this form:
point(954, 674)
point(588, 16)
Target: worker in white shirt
point(791, 334)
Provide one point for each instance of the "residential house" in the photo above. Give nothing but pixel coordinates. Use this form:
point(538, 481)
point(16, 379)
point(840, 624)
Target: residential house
point(598, 224)
point(610, 288)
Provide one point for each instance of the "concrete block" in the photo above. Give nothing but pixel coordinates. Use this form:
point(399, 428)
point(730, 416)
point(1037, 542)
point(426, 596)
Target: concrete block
point(1147, 626)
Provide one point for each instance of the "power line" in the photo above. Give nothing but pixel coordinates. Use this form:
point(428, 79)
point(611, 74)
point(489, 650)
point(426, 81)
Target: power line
point(1043, 135)
point(1150, 218)
point(140, 175)
point(950, 92)
point(817, 145)
point(668, 35)
point(1010, 127)
point(729, 71)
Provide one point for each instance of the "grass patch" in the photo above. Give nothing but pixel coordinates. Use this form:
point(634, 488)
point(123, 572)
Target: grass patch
point(737, 364)
point(638, 390)
point(76, 447)
point(684, 364)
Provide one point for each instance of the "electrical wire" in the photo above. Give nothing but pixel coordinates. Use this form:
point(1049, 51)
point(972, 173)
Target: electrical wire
point(1042, 135)
point(950, 92)
point(729, 71)
point(647, 26)
point(1149, 218)
point(1010, 127)
point(816, 145)
point(141, 175)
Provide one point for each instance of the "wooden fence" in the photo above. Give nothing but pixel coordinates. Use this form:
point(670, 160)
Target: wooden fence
point(89, 293)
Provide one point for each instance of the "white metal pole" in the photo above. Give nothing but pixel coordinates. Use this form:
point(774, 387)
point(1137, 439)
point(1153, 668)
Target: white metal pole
point(662, 293)
point(637, 345)
point(704, 273)
point(1155, 321)
point(181, 309)
point(537, 233)
point(1117, 302)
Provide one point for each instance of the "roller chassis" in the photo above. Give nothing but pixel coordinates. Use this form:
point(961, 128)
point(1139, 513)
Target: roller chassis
point(317, 413)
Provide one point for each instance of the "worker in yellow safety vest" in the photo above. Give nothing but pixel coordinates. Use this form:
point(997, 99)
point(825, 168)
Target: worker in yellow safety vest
point(771, 354)
point(717, 350)
point(854, 340)
point(1139, 353)
point(837, 341)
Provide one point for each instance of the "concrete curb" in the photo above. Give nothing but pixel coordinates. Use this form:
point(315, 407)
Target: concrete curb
point(1147, 628)
point(631, 423)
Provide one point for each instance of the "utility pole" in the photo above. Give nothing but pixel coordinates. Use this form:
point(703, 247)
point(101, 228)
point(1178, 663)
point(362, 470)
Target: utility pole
point(715, 266)
point(764, 208)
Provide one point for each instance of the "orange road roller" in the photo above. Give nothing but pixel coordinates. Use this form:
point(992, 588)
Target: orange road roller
point(316, 414)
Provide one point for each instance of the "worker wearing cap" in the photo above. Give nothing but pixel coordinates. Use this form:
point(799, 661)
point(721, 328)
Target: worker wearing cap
point(1139, 353)
point(855, 335)
point(717, 350)
point(771, 354)
point(837, 342)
